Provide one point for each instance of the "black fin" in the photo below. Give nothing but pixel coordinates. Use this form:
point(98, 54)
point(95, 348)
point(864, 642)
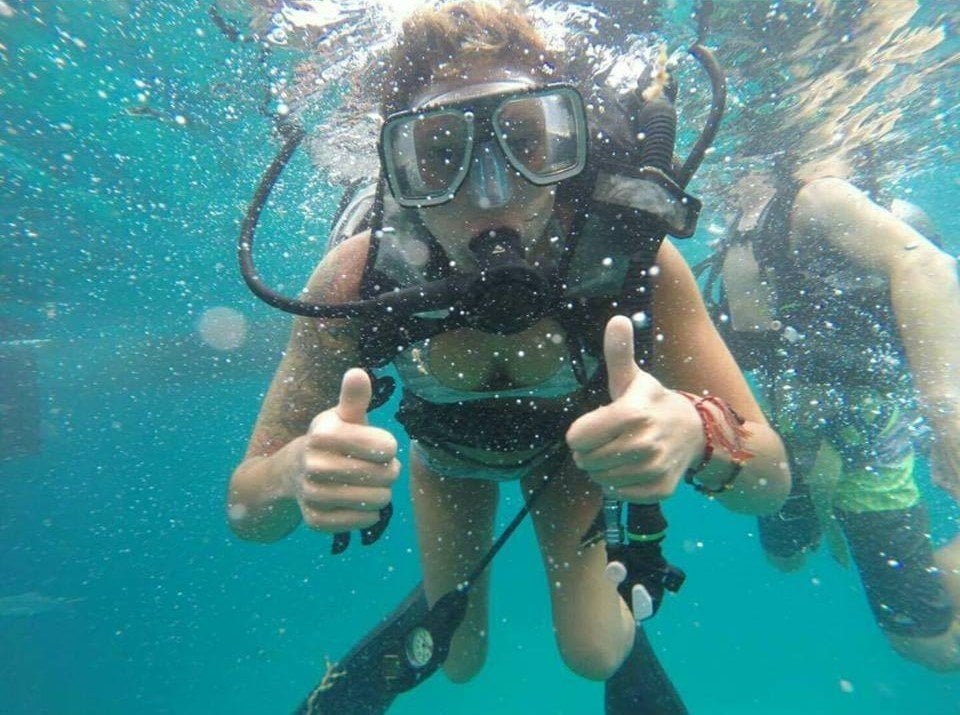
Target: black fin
point(360, 683)
point(641, 686)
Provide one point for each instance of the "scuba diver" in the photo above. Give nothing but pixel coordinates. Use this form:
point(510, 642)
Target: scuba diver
point(511, 268)
point(849, 316)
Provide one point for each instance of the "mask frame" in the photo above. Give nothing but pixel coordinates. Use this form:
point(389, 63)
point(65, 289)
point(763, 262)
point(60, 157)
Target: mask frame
point(481, 119)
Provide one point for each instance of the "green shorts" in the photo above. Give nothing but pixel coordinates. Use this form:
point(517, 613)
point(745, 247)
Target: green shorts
point(872, 435)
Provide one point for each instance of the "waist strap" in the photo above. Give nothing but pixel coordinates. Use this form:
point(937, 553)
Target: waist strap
point(497, 425)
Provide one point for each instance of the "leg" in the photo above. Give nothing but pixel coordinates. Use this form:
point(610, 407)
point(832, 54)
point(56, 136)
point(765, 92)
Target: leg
point(906, 593)
point(454, 529)
point(594, 627)
point(642, 685)
point(947, 558)
point(794, 531)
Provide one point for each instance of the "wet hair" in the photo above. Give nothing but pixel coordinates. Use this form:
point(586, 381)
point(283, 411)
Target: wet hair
point(442, 43)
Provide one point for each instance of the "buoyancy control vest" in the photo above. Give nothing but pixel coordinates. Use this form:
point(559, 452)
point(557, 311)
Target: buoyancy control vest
point(829, 323)
point(601, 250)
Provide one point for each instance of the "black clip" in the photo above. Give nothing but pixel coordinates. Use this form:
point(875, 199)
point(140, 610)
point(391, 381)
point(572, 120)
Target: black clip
point(383, 388)
point(594, 533)
point(368, 536)
point(672, 578)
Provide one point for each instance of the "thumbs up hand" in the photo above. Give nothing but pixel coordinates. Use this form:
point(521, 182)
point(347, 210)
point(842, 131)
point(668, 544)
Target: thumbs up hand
point(639, 446)
point(345, 467)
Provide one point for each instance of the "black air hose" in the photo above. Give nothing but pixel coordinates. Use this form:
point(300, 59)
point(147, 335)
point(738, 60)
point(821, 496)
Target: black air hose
point(658, 122)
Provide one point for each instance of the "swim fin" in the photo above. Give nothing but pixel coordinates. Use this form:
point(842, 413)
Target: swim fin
point(642, 686)
point(364, 682)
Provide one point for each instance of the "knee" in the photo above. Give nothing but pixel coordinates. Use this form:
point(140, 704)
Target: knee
point(466, 659)
point(462, 670)
point(787, 564)
point(590, 657)
point(940, 654)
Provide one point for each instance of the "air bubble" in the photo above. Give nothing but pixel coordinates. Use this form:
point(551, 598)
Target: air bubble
point(222, 328)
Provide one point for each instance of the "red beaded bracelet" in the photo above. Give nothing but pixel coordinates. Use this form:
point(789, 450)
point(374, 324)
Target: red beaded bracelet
point(713, 434)
point(705, 418)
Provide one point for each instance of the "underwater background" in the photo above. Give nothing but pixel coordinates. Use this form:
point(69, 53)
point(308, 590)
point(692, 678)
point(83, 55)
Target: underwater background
point(133, 363)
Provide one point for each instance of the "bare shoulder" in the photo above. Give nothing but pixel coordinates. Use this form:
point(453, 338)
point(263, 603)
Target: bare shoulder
point(337, 277)
point(675, 289)
point(681, 319)
point(668, 257)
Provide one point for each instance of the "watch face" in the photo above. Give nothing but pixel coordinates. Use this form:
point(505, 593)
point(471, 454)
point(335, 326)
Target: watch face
point(419, 647)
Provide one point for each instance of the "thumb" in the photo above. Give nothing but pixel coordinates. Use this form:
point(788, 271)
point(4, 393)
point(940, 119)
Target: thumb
point(618, 354)
point(355, 395)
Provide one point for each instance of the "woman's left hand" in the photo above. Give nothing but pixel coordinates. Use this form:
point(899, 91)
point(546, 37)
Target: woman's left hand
point(639, 446)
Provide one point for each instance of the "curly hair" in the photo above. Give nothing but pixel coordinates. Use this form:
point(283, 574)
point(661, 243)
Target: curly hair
point(438, 43)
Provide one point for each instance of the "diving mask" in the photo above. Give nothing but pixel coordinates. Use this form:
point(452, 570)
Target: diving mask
point(428, 152)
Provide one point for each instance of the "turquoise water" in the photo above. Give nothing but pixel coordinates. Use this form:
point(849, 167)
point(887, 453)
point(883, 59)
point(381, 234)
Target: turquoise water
point(118, 235)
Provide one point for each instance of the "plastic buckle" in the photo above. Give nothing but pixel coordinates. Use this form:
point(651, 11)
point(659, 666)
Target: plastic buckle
point(641, 603)
point(672, 578)
point(614, 531)
point(341, 540)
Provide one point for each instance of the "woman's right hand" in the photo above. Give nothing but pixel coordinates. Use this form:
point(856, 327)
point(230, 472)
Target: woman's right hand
point(345, 467)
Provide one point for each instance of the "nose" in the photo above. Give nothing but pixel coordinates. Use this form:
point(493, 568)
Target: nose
point(488, 181)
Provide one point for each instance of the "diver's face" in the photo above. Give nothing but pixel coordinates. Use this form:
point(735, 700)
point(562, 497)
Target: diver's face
point(527, 211)
point(493, 194)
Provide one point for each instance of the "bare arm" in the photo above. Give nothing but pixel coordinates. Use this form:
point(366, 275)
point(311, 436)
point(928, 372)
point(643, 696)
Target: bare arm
point(261, 497)
point(924, 293)
point(691, 356)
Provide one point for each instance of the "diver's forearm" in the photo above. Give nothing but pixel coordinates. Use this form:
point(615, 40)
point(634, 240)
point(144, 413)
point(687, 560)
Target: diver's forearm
point(764, 480)
point(926, 300)
point(260, 502)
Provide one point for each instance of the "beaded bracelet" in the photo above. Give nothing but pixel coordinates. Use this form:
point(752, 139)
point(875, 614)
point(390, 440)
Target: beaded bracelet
point(713, 434)
point(725, 486)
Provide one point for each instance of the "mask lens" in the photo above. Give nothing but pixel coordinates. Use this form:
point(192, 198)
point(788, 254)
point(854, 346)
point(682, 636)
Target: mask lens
point(426, 155)
point(543, 135)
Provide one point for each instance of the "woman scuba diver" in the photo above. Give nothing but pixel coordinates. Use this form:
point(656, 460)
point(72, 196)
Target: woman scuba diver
point(541, 330)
